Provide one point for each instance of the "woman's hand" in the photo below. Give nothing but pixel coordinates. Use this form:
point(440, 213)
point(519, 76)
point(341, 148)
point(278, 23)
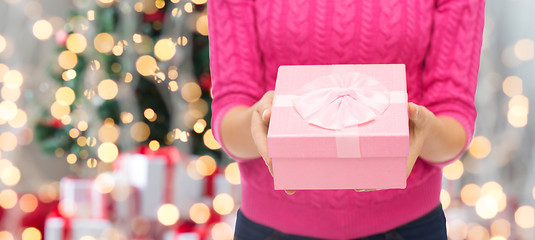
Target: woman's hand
point(420, 121)
point(259, 128)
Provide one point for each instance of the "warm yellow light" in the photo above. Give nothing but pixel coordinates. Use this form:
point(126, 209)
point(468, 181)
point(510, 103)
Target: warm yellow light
point(487, 207)
point(74, 133)
point(453, 171)
point(191, 92)
point(199, 126)
point(91, 15)
point(91, 162)
point(470, 193)
point(498, 238)
point(182, 40)
point(206, 165)
point(223, 204)
point(198, 2)
point(71, 158)
point(10, 176)
point(192, 171)
point(154, 145)
point(480, 147)
point(476, 231)
point(107, 89)
point(445, 199)
point(108, 152)
point(10, 94)
point(140, 131)
point(176, 12)
point(67, 59)
point(202, 25)
point(150, 114)
point(13, 79)
point(168, 214)
point(8, 198)
point(108, 132)
point(199, 213)
point(31, 233)
point(210, 141)
point(128, 77)
point(70, 74)
point(525, 217)
point(512, 86)
point(517, 116)
point(94, 65)
point(164, 49)
point(104, 183)
point(519, 101)
point(42, 30)
point(188, 7)
point(81, 141)
point(76, 43)
point(3, 43)
point(501, 227)
point(28, 203)
point(104, 42)
point(65, 96)
point(232, 173)
point(8, 110)
point(8, 141)
point(159, 4)
point(146, 65)
point(524, 49)
point(48, 192)
point(222, 231)
point(5, 235)
point(82, 125)
point(19, 120)
point(173, 86)
point(489, 187)
point(127, 117)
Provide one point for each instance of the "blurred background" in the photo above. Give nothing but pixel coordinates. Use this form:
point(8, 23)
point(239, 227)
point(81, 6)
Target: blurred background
point(105, 126)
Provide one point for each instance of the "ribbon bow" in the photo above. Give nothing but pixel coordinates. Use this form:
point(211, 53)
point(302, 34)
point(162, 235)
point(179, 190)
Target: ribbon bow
point(341, 100)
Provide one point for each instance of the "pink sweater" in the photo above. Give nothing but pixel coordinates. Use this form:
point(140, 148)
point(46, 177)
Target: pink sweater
point(438, 41)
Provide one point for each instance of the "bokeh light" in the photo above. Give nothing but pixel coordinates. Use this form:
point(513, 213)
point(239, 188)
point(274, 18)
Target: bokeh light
point(146, 65)
point(67, 59)
point(168, 214)
point(199, 213)
point(453, 171)
point(103, 42)
point(42, 30)
point(104, 183)
point(206, 165)
point(501, 227)
point(5, 235)
point(164, 49)
point(445, 198)
point(3, 43)
point(222, 231)
point(524, 49)
point(202, 25)
point(76, 43)
point(139, 131)
point(512, 86)
point(191, 92)
point(470, 193)
point(210, 141)
point(223, 204)
point(525, 216)
point(10, 175)
point(232, 173)
point(480, 147)
point(8, 198)
point(107, 89)
point(31, 233)
point(108, 152)
point(28, 202)
point(487, 207)
point(65, 96)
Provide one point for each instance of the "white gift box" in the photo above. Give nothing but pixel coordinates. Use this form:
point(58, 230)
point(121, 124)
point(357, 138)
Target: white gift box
point(154, 182)
point(78, 228)
point(79, 198)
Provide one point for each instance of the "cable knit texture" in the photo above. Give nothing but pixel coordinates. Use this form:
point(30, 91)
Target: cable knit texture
point(438, 41)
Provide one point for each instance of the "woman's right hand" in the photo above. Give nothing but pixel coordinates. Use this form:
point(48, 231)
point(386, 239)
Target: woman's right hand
point(259, 128)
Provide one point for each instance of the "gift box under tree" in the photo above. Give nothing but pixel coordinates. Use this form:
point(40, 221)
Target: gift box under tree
point(339, 127)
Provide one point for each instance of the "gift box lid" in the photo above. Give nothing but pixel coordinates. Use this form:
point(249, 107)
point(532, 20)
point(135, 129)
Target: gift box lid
point(386, 135)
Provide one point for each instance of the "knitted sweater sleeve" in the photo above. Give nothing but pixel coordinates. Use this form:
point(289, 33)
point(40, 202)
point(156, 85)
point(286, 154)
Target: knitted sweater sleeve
point(452, 62)
point(235, 59)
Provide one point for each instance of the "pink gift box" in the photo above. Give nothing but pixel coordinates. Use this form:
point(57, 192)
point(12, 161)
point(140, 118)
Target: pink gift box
point(339, 127)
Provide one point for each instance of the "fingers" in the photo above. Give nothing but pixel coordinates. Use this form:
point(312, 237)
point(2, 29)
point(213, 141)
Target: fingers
point(289, 192)
point(414, 111)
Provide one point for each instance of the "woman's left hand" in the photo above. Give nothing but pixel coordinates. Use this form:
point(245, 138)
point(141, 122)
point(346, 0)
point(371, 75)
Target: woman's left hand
point(420, 120)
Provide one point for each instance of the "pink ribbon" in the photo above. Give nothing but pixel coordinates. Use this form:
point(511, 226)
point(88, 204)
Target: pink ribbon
point(341, 100)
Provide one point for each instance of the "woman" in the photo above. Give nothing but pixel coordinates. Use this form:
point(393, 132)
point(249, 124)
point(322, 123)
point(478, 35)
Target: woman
point(439, 41)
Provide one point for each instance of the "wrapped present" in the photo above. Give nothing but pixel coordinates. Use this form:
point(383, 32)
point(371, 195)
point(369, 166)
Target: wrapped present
point(80, 198)
point(159, 177)
point(64, 228)
point(339, 127)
